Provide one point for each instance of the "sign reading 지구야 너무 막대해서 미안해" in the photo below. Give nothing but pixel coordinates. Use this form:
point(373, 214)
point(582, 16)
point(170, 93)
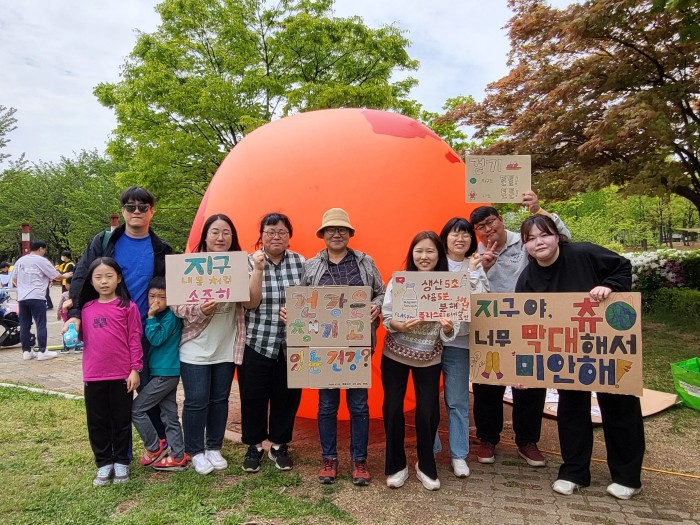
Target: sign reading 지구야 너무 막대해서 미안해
point(497, 178)
point(329, 336)
point(558, 340)
point(431, 295)
point(193, 278)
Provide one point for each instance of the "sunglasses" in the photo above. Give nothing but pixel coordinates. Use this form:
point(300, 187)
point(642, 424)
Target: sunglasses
point(131, 208)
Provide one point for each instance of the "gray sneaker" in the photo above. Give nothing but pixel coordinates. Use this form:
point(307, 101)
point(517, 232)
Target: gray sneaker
point(103, 476)
point(121, 473)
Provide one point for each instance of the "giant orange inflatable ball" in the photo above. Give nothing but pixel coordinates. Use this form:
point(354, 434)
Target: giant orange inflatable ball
point(393, 176)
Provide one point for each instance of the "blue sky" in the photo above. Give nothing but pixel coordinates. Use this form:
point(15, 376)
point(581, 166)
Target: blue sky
point(54, 53)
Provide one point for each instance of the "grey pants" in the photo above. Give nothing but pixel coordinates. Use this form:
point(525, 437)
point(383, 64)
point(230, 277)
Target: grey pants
point(161, 391)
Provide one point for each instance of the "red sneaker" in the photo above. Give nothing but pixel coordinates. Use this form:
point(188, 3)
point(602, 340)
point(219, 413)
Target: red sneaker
point(532, 455)
point(486, 452)
point(170, 463)
point(151, 456)
point(360, 474)
point(328, 472)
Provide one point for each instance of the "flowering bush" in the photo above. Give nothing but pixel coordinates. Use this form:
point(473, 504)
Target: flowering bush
point(665, 268)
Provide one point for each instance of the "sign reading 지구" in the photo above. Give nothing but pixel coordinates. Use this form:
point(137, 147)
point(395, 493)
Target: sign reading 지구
point(193, 278)
point(497, 178)
point(329, 336)
point(558, 340)
point(431, 295)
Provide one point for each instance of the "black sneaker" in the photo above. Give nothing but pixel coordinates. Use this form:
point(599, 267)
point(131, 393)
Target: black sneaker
point(251, 462)
point(281, 457)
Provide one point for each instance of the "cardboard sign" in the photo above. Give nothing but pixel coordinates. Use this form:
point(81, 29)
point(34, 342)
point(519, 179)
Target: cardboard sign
point(321, 316)
point(314, 367)
point(431, 295)
point(558, 340)
point(497, 178)
point(221, 277)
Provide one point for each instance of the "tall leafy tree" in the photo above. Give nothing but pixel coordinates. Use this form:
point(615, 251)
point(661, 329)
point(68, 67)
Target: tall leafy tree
point(64, 202)
point(602, 92)
point(7, 124)
point(214, 70)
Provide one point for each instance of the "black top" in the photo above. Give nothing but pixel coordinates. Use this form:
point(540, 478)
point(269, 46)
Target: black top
point(580, 267)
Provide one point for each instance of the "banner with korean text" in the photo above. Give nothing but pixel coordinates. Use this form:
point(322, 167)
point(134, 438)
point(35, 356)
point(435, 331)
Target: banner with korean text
point(497, 178)
point(329, 336)
point(431, 295)
point(193, 278)
point(558, 340)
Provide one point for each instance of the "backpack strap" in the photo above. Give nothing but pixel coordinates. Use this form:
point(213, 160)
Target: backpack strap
point(105, 240)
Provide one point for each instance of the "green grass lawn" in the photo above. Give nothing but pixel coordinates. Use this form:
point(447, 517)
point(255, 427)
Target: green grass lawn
point(47, 467)
point(47, 470)
point(669, 339)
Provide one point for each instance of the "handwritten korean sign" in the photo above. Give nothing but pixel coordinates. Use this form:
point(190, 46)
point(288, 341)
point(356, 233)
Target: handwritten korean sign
point(431, 295)
point(497, 178)
point(558, 340)
point(216, 276)
point(328, 329)
point(324, 367)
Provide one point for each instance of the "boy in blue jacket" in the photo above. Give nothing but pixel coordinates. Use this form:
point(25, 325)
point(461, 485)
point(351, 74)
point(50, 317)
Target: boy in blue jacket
point(163, 330)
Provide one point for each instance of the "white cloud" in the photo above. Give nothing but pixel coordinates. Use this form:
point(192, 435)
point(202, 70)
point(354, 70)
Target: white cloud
point(57, 52)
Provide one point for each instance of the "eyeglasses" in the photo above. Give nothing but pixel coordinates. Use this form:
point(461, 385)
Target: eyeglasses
point(483, 226)
point(271, 234)
point(460, 235)
point(340, 231)
point(131, 208)
point(216, 233)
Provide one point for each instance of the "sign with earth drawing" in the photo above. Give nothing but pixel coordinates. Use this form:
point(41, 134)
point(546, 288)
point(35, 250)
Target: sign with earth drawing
point(558, 340)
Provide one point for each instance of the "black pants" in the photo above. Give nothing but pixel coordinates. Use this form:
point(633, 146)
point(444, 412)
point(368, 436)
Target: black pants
point(426, 384)
point(624, 436)
point(528, 404)
point(263, 384)
point(108, 408)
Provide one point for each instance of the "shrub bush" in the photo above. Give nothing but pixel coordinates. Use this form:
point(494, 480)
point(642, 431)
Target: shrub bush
point(678, 302)
point(662, 269)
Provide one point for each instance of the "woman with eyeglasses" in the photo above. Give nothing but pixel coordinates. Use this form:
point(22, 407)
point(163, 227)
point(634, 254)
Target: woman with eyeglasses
point(340, 265)
point(268, 406)
point(213, 339)
point(561, 266)
point(459, 241)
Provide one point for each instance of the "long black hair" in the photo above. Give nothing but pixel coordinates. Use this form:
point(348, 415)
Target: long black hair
point(88, 292)
point(441, 265)
point(202, 244)
point(459, 224)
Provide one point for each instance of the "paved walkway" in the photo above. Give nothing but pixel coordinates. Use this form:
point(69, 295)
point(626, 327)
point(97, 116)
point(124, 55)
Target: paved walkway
point(508, 492)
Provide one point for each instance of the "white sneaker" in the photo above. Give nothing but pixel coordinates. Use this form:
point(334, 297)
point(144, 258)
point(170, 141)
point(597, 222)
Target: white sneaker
point(428, 483)
point(397, 480)
point(26, 356)
point(622, 492)
point(201, 464)
point(565, 487)
point(216, 459)
point(121, 473)
point(46, 354)
point(460, 468)
point(104, 475)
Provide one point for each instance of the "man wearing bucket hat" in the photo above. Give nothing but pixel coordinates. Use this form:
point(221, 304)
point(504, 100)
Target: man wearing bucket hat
point(340, 265)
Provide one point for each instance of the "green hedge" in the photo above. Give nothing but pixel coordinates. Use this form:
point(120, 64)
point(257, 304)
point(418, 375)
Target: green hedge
point(681, 302)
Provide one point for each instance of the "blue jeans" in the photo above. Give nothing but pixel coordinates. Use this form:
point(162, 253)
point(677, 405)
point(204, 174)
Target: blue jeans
point(32, 309)
point(328, 403)
point(205, 410)
point(455, 372)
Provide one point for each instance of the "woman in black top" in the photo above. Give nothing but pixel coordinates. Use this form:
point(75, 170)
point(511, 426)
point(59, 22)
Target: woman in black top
point(559, 266)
